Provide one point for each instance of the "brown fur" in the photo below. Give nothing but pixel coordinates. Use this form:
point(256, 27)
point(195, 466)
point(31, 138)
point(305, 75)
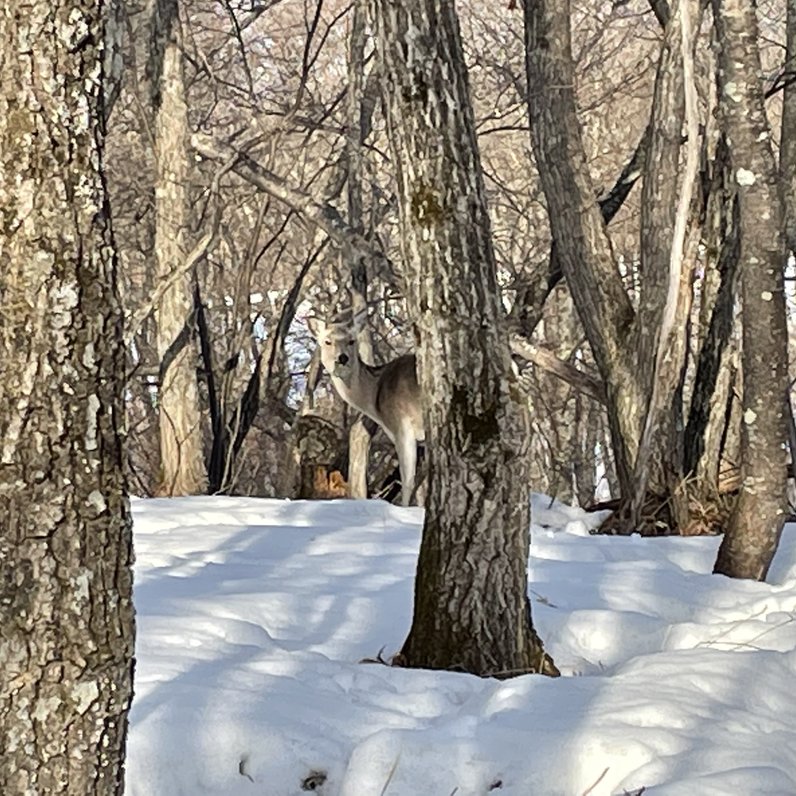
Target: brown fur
point(389, 394)
point(398, 394)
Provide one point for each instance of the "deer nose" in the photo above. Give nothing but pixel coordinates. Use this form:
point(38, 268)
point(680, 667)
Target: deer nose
point(343, 359)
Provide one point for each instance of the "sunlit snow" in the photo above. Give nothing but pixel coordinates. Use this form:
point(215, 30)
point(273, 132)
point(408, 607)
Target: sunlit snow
point(254, 617)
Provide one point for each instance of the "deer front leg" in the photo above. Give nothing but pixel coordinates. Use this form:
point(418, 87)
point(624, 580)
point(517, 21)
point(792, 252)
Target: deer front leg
point(406, 447)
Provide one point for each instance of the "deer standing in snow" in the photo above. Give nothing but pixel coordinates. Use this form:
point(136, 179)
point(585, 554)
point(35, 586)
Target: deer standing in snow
point(389, 394)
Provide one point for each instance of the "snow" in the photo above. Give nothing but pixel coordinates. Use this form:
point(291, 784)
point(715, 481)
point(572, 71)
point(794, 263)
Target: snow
point(255, 617)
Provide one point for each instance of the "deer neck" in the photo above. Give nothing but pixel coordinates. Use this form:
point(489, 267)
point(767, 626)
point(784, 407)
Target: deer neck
point(359, 388)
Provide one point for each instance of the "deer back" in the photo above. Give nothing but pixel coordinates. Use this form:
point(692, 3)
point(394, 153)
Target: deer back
point(398, 398)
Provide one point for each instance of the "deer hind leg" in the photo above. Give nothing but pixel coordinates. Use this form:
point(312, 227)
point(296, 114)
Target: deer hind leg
point(406, 447)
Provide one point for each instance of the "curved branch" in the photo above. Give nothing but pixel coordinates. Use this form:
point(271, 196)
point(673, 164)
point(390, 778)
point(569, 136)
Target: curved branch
point(581, 380)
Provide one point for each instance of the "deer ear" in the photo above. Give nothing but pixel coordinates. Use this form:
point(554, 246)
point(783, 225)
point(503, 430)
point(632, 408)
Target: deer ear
point(316, 326)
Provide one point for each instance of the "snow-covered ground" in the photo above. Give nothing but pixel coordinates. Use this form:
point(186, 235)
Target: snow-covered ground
point(254, 617)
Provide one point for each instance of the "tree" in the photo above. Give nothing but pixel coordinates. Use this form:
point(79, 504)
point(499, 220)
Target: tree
point(583, 246)
point(471, 605)
point(643, 354)
point(66, 615)
point(359, 436)
point(751, 539)
point(180, 420)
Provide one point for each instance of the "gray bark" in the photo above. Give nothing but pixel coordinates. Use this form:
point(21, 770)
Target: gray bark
point(751, 539)
point(181, 447)
point(584, 249)
point(640, 359)
point(471, 606)
point(715, 373)
point(662, 321)
point(66, 614)
point(659, 193)
point(787, 152)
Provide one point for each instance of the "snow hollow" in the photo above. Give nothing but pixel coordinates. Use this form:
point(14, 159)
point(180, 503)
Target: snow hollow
point(254, 617)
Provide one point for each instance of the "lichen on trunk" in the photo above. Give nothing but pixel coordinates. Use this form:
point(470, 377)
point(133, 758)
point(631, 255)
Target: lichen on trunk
point(66, 614)
point(471, 606)
point(751, 539)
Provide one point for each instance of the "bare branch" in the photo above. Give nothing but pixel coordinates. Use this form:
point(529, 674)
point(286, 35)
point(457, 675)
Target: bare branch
point(137, 319)
point(321, 214)
point(546, 359)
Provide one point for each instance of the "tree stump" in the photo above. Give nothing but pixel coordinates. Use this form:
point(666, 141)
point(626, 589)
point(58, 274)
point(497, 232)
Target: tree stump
point(319, 443)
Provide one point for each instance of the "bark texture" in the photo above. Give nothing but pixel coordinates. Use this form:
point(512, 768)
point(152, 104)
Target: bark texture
point(471, 606)
point(182, 459)
point(584, 249)
point(640, 356)
point(666, 265)
point(659, 194)
point(787, 151)
point(751, 539)
point(66, 616)
point(715, 371)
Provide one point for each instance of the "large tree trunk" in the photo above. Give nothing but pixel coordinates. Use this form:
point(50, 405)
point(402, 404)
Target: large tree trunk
point(181, 450)
point(471, 605)
point(667, 266)
point(751, 539)
point(66, 615)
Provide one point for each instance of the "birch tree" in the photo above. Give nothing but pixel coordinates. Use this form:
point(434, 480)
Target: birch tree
point(66, 615)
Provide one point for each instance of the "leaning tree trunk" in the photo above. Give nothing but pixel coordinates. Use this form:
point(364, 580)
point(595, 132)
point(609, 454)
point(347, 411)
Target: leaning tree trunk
point(584, 249)
point(640, 357)
point(471, 605)
point(182, 459)
point(66, 615)
point(751, 539)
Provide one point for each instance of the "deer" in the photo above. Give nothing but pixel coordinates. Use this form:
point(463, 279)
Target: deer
point(389, 394)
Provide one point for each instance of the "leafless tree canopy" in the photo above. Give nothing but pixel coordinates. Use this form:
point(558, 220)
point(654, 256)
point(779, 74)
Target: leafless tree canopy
point(618, 228)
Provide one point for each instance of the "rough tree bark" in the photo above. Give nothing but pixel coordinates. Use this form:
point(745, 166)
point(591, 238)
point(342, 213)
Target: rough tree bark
point(584, 249)
point(787, 151)
point(182, 459)
point(751, 539)
point(659, 194)
point(66, 615)
point(715, 372)
point(667, 268)
point(628, 349)
point(471, 605)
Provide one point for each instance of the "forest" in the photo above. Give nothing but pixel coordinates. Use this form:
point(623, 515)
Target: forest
point(460, 269)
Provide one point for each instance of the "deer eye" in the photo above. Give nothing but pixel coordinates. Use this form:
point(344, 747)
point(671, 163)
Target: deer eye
point(327, 342)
